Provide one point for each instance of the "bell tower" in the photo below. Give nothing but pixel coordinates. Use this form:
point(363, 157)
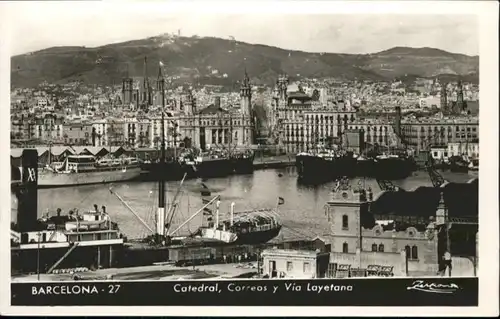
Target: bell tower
point(246, 96)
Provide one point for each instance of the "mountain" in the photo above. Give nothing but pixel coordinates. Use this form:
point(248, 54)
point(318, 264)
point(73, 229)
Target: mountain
point(220, 61)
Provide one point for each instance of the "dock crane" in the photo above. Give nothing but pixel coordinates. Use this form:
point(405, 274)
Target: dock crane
point(436, 178)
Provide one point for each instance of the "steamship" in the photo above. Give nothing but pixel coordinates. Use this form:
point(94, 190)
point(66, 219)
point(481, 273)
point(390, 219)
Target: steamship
point(326, 165)
point(46, 244)
point(242, 161)
point(86, 169)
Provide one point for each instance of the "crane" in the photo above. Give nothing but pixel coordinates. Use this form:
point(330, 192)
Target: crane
point(436, 178)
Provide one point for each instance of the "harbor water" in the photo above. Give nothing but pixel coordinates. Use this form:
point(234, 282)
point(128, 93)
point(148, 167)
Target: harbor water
point(302, 214)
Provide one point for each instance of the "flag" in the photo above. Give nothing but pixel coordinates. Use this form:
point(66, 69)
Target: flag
point(205, 191)
point(161, 63)
point(281, 201)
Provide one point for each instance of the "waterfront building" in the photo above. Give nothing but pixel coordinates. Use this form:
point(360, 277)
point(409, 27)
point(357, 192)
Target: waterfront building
point(77, 133)
point(376, 131)
point(299, 264)
point(100, 129)
point(421, 133)
point(218, 126)
point(469, 149)
point(404, 229)
point(137, 132)
point(300, 123)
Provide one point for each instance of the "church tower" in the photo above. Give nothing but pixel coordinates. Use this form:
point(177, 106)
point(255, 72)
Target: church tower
point(444, 99)
point(246, 96)
point(460, 97)
point(159, 93)
point(146, 96)
point(127, 89)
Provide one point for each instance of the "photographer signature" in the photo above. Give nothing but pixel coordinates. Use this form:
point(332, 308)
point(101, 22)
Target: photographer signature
point(433, 287)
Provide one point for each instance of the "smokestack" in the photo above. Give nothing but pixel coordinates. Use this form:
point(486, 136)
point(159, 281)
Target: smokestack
point(217, 102)
point(232, 213)
point(27, 211)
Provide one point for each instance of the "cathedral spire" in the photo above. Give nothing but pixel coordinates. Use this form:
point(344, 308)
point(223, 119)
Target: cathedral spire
point(246, 80)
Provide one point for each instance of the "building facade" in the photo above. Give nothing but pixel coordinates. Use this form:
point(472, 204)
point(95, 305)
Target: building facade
point(376, 131)
point(49, 127)
point(77, 133)
point(217, 126)
point(300, 264)
point(300, 124)
point(421, 134)
point(412, 245)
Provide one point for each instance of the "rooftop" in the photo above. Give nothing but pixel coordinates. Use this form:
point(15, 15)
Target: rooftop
point(461, 199)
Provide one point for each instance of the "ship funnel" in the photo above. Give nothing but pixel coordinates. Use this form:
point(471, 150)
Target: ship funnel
point(232, 213)
point(27, 211)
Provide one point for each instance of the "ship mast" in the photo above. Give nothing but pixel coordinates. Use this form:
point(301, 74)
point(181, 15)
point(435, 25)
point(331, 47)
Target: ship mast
point(160, 227)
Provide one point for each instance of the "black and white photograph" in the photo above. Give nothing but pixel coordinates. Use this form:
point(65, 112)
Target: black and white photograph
point(275, 153)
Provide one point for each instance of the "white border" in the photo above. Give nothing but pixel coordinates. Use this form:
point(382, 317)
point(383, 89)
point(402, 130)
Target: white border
point(487, 13)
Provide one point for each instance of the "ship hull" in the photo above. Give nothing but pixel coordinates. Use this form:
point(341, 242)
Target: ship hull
point(47, 179)
point(214, 168)
point(170, 171)
point(256, 238)
point(392, 168)
point(242, 165)
point(28, 260)
point(317, 169)
point(313, 168)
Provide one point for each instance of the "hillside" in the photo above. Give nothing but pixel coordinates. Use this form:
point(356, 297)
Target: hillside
point(193, 58)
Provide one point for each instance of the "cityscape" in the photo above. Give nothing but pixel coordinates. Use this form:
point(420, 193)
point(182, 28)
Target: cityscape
point(130, 163)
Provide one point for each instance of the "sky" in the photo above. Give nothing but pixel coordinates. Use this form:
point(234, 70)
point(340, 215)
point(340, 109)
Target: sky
point(37, 26)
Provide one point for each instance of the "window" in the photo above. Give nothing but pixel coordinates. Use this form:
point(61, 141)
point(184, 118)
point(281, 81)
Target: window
point(374, 247)
point(408, 252)
point(345, 222)
point(306, 268)
point(289, 266)
point(345, 248)
point(381, 248)
point(414, 253)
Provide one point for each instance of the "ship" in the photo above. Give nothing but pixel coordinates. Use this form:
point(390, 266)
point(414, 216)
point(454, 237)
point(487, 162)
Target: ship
point(58, 242)
point(172, 169)
point(392, 166)
point(323, 164)
point(215, 229)
point(87, 169)
point(459, 164)
point(242, 161)
point(314, 167)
